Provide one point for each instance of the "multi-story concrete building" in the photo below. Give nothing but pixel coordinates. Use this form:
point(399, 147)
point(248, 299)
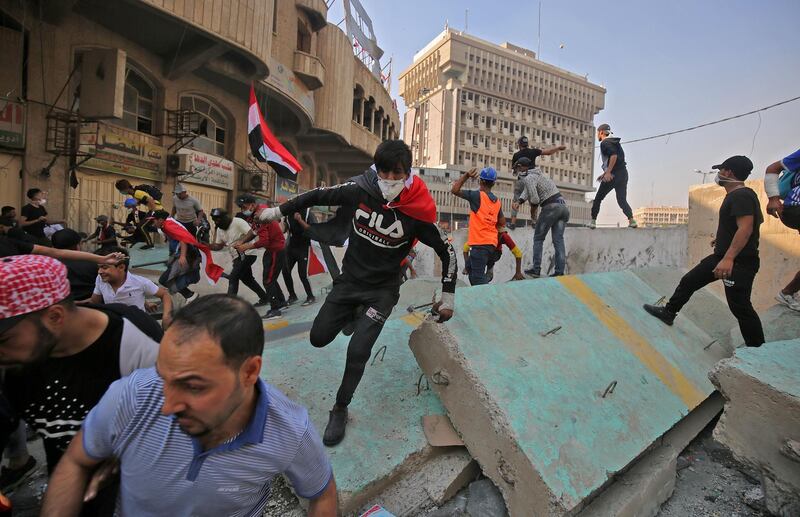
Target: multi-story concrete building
point(156, 91)
point(661, 215)
point(468, 101)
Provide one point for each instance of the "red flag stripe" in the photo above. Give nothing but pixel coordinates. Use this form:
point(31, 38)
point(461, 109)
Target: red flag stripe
point(176, 231)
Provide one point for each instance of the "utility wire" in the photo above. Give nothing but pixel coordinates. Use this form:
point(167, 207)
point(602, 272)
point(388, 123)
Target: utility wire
point(787, 101)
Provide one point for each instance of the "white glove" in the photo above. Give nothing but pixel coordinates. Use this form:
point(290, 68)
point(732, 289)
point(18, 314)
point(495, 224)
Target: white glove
point(270, 214)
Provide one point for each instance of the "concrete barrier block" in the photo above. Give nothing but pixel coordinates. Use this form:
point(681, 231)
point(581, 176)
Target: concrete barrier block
point(761, 421)
point(566, 385)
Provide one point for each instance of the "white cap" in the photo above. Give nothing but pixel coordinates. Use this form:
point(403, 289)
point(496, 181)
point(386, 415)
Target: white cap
point(179, 188)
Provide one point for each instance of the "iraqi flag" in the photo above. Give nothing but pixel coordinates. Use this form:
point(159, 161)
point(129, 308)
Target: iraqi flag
point(321, 260)
point(265, 147)
point(177, 232)
point(416, 200)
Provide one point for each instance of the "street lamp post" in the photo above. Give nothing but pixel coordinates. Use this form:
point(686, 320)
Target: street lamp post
point(698, 171)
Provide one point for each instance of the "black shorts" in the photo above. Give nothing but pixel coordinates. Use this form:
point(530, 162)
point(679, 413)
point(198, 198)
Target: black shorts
point(791, 217)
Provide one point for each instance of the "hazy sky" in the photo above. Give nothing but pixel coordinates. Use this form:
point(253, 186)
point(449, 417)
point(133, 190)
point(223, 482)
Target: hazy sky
point(666, 66)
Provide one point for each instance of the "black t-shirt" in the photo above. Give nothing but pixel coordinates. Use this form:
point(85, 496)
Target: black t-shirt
point(298, 241)
point(31, 213)
point(9, 247)
point(55, 395)
point(81, 275)
point(530, 153)
point(609, 147)
point(739, 203)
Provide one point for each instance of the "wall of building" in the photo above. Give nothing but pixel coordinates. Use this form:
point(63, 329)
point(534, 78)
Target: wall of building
point(779, 246)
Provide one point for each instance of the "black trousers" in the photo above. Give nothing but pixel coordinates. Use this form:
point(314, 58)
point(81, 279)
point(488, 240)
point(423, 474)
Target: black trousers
point(273, 263)
point(620, 186)
point(243, 271)
point(297, 256)
point(337, 311)
point(737, 291)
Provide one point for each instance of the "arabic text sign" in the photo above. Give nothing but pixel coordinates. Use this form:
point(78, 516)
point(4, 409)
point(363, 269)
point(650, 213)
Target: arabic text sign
point(12, 124)
point(117, 152)
point(284, 189)
point(207, 169)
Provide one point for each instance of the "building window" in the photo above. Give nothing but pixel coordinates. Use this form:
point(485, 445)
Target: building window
point(214, 141)
point(303, 37)
point(137, 104)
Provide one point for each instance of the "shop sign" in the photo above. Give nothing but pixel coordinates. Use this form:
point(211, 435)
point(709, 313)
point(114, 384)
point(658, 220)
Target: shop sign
point(12, 124)
point(207, 169)
point(284, 189)
point(117, 152)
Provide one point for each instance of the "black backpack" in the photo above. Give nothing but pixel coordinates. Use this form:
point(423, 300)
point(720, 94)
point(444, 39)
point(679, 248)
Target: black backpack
point(152, 191)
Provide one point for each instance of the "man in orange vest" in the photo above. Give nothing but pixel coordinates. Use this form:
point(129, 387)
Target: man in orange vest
point(485, 218)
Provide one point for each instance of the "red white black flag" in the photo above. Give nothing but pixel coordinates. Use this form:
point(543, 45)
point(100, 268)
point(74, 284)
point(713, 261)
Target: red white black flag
point(265, 147)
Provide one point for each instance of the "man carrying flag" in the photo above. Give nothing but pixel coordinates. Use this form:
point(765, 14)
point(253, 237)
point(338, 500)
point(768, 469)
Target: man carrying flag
point(390, 208)
point(265, 147)
point(185, 270)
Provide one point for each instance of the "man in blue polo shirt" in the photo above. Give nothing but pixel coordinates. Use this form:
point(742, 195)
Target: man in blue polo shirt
point(200, 434)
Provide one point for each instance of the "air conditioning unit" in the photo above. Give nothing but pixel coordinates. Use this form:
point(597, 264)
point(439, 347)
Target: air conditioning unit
point(178, 164)
point(102, 83)
point(251, 181)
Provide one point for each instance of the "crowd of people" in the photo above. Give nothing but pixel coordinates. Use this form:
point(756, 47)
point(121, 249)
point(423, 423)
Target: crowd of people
point(141, 418)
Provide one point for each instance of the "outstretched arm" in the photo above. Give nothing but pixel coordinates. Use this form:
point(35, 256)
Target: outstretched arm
point(553, 150)
point(456, 188)
point(346, 194)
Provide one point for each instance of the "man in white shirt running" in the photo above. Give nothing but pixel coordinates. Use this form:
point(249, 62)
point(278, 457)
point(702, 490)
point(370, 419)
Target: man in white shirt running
point(115, 284)
point(231, 232)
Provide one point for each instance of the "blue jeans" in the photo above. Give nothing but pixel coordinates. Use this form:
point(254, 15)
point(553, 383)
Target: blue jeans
point(552, 218)
point(478, 259)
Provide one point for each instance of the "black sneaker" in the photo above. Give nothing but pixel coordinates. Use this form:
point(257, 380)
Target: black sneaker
point(273, 314)
point(531, 272)
point(662, 313)
point(261, 303)
point(334, 431)
point(308, 301)
point(12, 478)
point(292, 299)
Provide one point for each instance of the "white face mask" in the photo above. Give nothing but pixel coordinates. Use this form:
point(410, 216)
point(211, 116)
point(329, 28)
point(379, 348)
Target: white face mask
point(247, 213)
point(719, 180)
point(391, 188)
point(39, 202)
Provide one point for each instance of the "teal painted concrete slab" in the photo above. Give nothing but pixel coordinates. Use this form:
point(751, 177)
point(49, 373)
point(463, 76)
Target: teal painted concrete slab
point(776, 364)
point(384, 431)
point(551, 388)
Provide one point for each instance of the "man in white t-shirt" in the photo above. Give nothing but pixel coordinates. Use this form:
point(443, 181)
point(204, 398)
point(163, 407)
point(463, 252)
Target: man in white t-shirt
point(115, 284)
point(230, 232)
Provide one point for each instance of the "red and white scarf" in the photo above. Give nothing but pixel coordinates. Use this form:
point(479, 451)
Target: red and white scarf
point(177, 232)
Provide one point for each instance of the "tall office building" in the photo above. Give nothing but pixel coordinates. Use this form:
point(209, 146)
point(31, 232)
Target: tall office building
point(468, 101)
point(661, 215)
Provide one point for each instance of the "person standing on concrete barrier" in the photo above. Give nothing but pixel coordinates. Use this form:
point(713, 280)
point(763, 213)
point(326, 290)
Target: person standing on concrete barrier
point(390, 207)
point(485, 219)
point(531, 153)
point(782, 184)
point(735, 258)
point(503, 238)
point(541, 192)
point(614, 177)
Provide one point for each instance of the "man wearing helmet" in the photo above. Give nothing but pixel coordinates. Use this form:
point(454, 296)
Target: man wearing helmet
point(485, 218)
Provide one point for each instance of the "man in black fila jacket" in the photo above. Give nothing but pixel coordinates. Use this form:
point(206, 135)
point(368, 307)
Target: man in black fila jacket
point(384, 211)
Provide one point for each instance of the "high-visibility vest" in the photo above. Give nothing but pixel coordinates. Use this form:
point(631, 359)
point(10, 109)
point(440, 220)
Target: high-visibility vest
point(483, 223)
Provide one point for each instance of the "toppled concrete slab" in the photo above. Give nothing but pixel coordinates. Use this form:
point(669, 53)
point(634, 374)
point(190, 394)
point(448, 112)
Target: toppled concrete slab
point(761, 421)
point(385, 457)
point(566, 385)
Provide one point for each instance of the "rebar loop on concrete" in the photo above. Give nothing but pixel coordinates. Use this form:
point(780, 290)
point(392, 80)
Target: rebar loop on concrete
point(382, 352)
point(440, 378)
point(419, 384)
point(550, 332)
point(609, 389)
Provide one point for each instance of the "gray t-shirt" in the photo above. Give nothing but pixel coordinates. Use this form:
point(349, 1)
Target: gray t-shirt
point(186, 209)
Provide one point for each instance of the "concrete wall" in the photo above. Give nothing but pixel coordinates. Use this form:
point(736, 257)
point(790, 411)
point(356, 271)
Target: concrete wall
point(588, 251)
point(779, 247)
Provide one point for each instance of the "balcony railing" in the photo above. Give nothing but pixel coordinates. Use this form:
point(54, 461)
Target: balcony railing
point(317, 11)
point(309, 69)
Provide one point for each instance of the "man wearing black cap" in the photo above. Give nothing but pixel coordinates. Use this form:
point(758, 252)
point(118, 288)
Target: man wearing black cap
point(105, 234)
point(529, 153)
point(735, 258)
point(614, 177)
